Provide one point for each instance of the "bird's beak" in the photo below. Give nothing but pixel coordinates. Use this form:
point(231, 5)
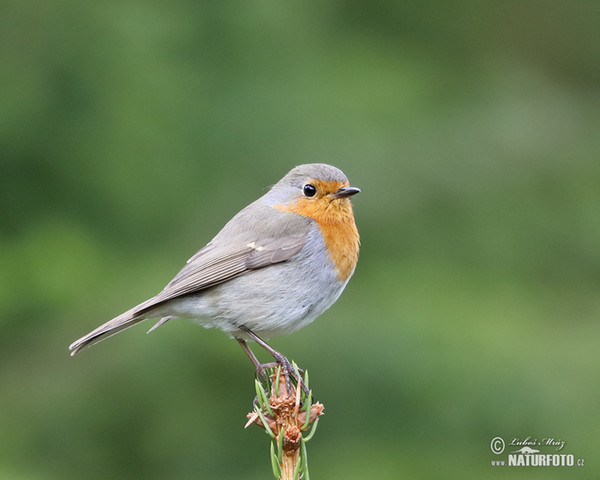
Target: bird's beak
point(346, 192)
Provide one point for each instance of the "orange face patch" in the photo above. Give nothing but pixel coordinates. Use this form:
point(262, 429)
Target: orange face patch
point(336, 221)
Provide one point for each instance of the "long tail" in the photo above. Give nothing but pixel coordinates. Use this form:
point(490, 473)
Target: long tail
point(112, 327)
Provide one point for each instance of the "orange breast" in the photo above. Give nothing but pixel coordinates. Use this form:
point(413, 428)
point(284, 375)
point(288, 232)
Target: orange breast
point(336, 221)
point(342, 242)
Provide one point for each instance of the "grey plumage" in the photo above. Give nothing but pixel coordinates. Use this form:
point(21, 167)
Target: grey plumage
point(233, 263)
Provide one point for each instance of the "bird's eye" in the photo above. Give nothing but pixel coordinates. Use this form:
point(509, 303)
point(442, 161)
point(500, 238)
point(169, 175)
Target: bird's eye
point(309, 190)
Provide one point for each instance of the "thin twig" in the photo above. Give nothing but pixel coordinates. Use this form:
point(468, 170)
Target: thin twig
point(290, 414)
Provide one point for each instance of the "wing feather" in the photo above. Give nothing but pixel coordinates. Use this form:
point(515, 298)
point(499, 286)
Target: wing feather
point(216, 264)
point(240, 247)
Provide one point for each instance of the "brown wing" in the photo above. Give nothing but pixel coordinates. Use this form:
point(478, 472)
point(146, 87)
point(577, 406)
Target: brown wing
point(216, 264)
point(210, 266)
point(226, 257)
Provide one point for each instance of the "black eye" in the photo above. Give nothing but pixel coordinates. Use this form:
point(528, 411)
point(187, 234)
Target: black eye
point(309, 190)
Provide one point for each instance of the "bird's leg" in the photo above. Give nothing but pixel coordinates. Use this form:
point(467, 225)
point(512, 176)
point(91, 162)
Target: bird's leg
point(280, 359)
point(260, 367)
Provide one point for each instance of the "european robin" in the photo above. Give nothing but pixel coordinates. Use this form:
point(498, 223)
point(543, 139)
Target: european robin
point(273, 268)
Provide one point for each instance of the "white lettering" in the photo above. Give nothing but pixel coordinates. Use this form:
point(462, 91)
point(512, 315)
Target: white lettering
point(541, 460)
point(551, 442)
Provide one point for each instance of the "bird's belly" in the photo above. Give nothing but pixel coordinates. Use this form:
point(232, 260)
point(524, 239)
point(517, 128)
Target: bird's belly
point(276, 300)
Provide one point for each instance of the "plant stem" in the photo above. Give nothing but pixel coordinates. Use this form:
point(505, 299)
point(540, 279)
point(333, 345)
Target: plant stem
point(284, 420)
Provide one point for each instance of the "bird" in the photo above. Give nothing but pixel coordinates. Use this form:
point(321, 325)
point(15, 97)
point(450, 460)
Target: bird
point(275, 267)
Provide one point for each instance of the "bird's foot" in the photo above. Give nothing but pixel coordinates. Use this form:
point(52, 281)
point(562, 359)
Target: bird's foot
point(280, 360)
point(288, 369)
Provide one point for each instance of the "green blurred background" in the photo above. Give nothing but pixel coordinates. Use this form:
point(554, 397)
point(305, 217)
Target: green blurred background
point(131, 131)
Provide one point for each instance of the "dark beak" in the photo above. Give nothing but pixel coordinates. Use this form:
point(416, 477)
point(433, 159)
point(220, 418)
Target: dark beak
point(346, 192)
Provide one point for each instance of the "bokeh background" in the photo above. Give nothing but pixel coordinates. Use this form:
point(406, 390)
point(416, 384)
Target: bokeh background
point(131, 131)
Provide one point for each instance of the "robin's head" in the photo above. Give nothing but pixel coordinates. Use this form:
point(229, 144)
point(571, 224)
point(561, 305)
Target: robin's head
point(321, 192)
point(315, 190)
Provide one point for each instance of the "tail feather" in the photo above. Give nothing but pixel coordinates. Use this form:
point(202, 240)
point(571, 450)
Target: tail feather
point(110, 328)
